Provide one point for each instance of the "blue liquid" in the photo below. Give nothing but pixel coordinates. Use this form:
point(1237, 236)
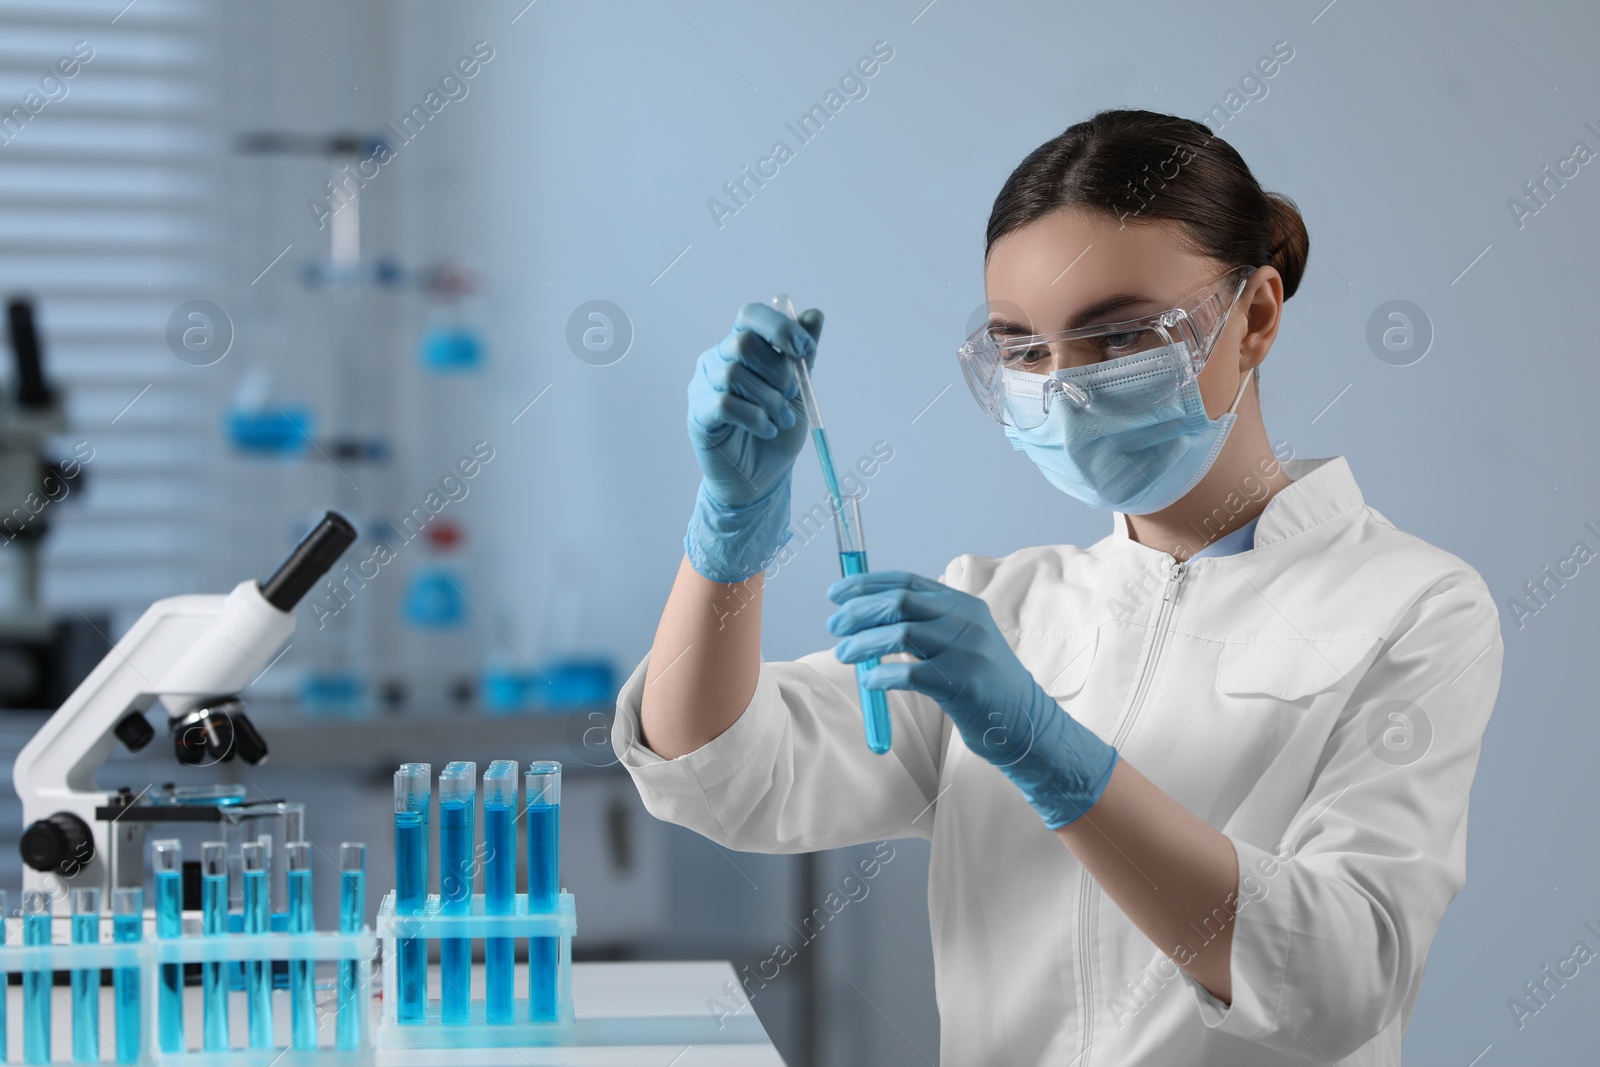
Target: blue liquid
point(86, 994)
point(410, 893)
point(544, 883)
point(214, 989)
point(874, 702)
point(820, 439)
point(278, 923)
point(302, 993)
point(258, 973)
point(127, 928)
point(455, 895)
point(352, 915)
point(169, 923)
point(499, 890)
point(36, 995)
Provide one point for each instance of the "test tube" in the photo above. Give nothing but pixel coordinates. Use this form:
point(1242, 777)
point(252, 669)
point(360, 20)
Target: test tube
point(853, 560)
point(278, 976)
point(36, 984)
point(127, 926)
point(258, 973)
point(168, 866)
point(458, 796)
point(847, 531)
point(500, 885)
point(352, 919)
point(302, 993)
point(86, 980)
point(214, 923)
point(542, 790)
point(413, 795)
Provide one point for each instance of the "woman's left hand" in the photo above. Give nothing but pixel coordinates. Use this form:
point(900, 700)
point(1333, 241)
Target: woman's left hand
point(967, 666)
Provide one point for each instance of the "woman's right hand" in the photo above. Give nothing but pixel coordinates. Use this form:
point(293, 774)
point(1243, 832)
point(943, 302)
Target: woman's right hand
point(746, 419)
point(747, 423)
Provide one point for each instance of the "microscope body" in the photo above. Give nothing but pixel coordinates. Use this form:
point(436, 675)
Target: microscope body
point(191, 655)
point(184, 653)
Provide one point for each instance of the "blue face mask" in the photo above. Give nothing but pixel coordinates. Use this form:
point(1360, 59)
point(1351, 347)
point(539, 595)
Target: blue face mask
point(1141, 459)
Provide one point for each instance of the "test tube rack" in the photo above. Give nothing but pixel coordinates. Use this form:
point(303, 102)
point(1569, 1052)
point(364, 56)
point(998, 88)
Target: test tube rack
point(431, 925)
point(150, 953)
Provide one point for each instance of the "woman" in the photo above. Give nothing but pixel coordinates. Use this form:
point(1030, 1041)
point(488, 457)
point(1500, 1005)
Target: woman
point(1197, 793)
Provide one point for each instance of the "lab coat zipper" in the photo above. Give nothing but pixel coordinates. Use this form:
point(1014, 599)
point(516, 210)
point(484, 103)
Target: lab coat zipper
point(1169, 599)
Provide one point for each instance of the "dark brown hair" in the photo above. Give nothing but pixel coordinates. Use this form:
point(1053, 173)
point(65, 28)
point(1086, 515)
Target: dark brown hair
point(1140, 166)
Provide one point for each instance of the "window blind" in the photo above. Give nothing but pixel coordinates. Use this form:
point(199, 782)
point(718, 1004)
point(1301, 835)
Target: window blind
point(109, 201)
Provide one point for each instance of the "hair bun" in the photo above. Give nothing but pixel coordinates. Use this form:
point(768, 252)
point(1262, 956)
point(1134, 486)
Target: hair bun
point(1291, 245)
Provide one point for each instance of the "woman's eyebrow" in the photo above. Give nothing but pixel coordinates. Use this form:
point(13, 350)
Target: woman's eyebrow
point(1100, 309)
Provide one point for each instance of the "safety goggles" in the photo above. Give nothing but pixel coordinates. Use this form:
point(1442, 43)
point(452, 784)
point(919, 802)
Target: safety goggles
point(1016, 377)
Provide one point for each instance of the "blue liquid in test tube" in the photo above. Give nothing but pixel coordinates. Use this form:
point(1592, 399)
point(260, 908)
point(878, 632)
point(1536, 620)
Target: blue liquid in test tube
point(352, 920)
point(847, 530)
point(874, 702)
point(36, 984)
point(413, 795)
point(168, 865)
point(302, 992)
point(543, 798)
point(257, 973)
point(277, 921)
point(86, 982)
point(127, 926)
point(458, 801)
point(500, 885)
point(214, 923)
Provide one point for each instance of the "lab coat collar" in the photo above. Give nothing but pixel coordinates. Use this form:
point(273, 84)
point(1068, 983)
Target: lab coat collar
point(1320, 489)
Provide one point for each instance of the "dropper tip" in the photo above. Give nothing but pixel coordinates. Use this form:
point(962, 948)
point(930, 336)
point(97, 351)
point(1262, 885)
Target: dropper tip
point(782, 302)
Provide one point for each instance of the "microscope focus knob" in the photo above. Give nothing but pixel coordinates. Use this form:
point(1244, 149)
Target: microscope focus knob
point(62, 843)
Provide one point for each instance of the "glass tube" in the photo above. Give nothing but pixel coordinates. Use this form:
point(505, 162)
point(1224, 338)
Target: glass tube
point(499, 886)
point(36, 984)
point(458, 797)
point(302, 920)
point(277, 971)
point(542, 786)
point(258, 973)
point(86, 981)
point(352, 920)
point(168, 866)
point(852, 561)
point(413, 795)
point(214, 923)
point(127, 926)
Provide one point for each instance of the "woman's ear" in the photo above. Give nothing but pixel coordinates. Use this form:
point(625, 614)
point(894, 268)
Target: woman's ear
point(1262, 303)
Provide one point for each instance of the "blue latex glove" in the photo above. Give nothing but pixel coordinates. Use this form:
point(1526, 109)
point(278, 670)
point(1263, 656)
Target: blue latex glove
point(747, 424)
point(1060, 765)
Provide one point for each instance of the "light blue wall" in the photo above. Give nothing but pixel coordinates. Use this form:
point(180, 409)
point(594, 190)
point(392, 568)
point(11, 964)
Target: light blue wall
point(591, 143)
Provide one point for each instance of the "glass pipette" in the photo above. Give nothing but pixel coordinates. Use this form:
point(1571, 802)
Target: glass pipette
point(846, 511)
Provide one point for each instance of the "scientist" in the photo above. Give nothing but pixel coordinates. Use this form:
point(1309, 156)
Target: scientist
point(1197, 793)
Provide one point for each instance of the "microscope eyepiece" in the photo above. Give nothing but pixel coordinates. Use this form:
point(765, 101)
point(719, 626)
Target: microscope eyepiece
point(33, 392)
point(309, 561)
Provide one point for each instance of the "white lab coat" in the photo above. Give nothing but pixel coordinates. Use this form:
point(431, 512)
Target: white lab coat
point(1320, 699)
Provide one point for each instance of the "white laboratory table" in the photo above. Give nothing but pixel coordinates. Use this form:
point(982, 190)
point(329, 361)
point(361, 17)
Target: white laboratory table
point(628, 1015)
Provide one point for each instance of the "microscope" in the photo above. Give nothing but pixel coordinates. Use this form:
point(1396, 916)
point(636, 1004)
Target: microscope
point(192, 655)
point(38, 653)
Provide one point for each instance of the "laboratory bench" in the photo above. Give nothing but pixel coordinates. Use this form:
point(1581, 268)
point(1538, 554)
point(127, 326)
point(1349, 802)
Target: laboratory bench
point(628, 1015)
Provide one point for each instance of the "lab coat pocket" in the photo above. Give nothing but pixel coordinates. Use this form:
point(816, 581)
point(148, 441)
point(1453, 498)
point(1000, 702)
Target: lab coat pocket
point(1060, 664)
point(1292, 668)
